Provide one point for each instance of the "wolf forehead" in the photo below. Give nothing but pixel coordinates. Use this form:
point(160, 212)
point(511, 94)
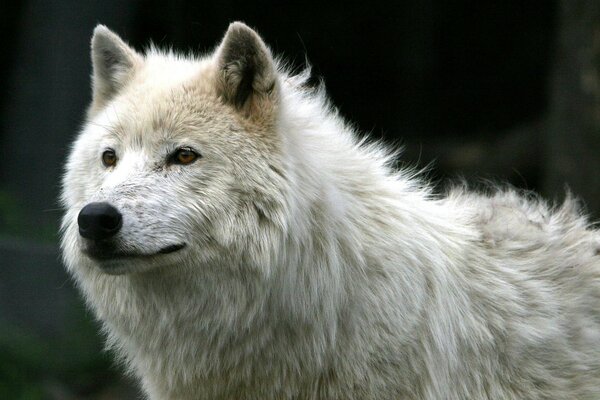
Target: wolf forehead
point(235, 87)
point(177, 112)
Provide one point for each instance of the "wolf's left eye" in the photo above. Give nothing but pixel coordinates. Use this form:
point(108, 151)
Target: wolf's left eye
point(109, 158)
point(183, 156)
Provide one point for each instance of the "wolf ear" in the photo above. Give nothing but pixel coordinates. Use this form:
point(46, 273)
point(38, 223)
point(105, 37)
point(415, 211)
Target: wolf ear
point(247, 76)
point(114, 64)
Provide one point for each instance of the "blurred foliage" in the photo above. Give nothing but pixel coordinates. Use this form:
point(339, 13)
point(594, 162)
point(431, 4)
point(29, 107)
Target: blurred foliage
point(70, 366)
point(14, 221)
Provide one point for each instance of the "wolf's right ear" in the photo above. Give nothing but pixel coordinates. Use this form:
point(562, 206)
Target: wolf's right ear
point(114, 64)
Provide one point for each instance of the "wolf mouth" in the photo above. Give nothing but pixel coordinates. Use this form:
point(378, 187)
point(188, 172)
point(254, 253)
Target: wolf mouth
point(103, 253)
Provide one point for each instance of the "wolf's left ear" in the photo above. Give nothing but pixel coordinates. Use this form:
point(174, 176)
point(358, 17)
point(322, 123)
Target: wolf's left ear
point(114, 64)
point(247, 76)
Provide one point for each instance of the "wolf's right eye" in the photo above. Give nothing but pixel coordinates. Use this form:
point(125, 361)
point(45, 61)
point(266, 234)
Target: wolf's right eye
point(183, 156)
point(109, 158)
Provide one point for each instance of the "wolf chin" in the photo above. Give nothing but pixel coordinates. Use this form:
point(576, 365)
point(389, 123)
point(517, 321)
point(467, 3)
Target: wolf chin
point(237, 241)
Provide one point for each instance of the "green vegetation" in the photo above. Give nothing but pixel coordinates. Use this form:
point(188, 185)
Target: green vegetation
point(15, 223)
point(32, 367)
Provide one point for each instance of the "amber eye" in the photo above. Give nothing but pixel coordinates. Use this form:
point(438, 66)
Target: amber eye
point(109, 158)
point(183, 156)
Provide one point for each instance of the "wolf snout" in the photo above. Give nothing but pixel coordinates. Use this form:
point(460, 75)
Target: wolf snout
point(99, 221)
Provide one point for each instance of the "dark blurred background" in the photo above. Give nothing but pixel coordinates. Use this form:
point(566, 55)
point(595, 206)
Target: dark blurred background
point(506, 90)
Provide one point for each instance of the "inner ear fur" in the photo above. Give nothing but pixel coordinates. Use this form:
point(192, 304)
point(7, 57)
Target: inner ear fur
point(114, 64)
point(247, 75)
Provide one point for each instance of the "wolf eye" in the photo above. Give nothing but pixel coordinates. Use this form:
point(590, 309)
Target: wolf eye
point(109, 158)
point(183, 156)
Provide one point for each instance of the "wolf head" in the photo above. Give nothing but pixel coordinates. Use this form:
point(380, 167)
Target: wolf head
point(178, 159)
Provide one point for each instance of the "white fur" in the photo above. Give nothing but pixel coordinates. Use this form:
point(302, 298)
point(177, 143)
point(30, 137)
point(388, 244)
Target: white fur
point(312, 269)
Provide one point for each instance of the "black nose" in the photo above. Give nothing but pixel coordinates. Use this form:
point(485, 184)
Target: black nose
point(99, 221)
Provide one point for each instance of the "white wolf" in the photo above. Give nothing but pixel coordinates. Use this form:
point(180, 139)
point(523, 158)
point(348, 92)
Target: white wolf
point(238, 242)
